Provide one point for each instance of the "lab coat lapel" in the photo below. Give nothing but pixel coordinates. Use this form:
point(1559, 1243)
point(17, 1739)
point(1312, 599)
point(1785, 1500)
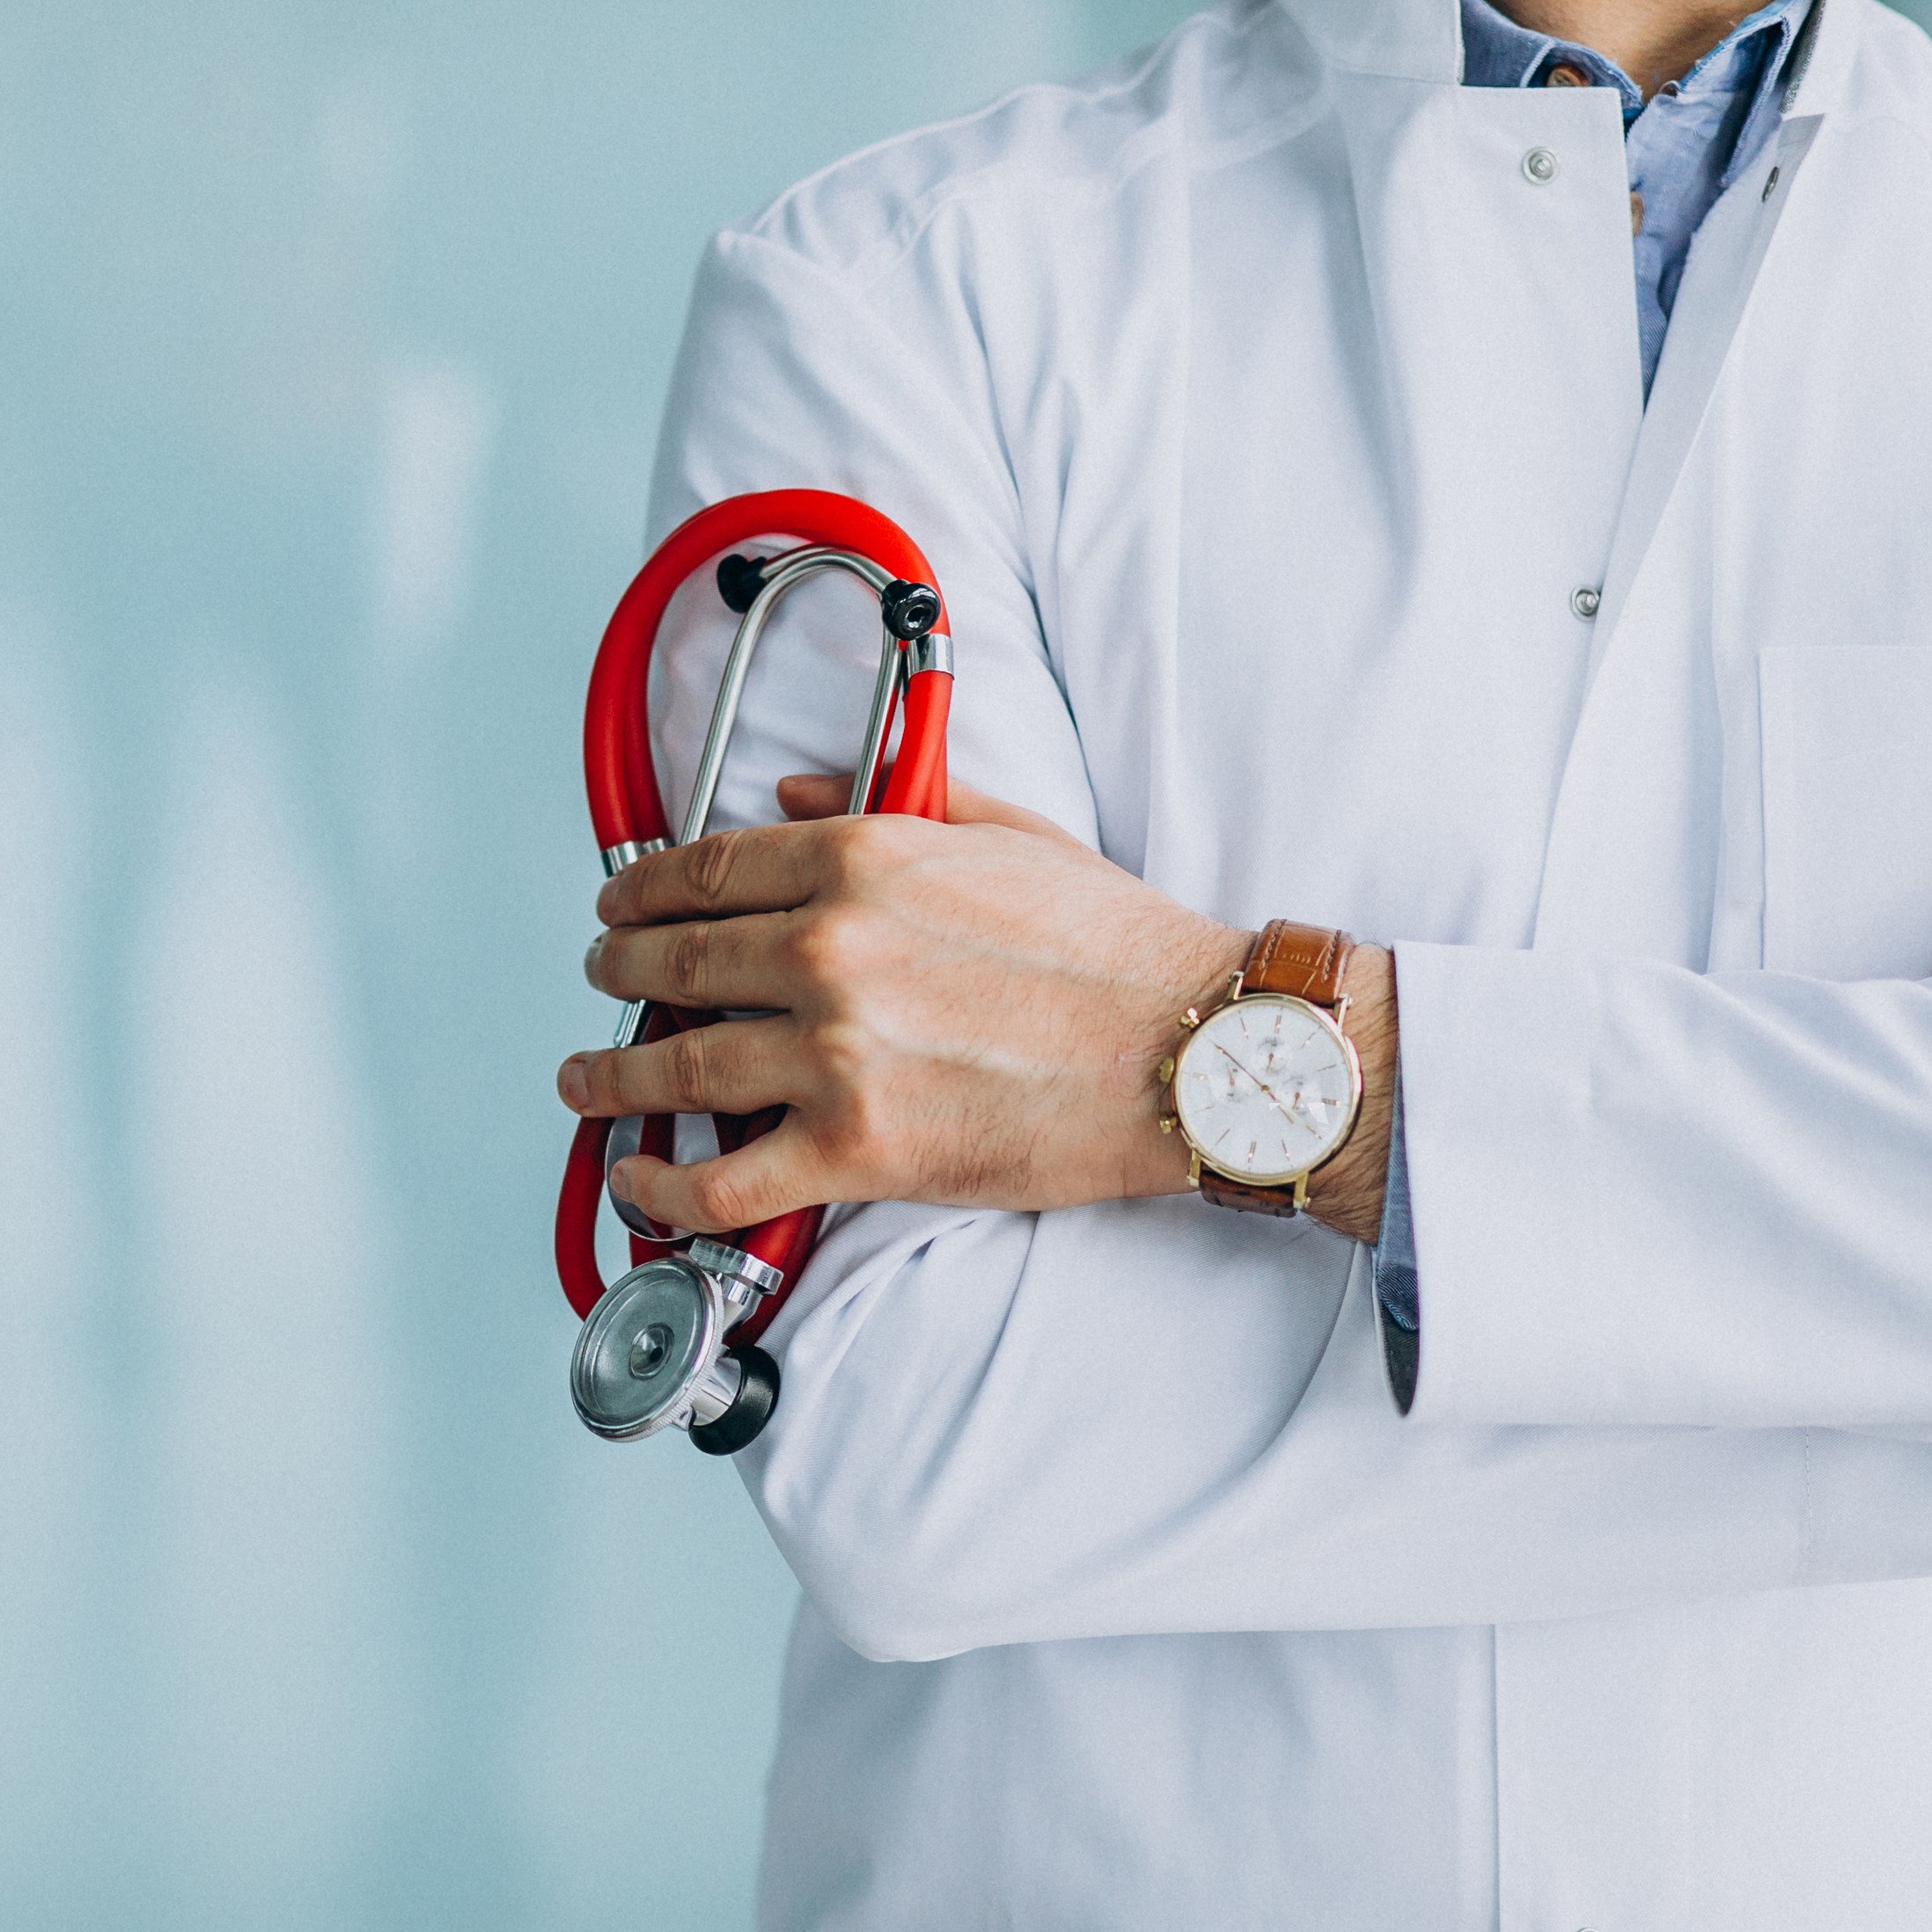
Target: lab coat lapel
point(1632, 851)
point(1729, 251)
point(1448, 278)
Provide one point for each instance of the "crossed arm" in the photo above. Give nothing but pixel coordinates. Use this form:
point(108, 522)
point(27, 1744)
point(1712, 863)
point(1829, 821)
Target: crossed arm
point(972, 1453)
point(968, 1014)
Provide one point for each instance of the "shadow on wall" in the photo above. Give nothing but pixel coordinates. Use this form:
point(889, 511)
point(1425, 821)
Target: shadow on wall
point(333, 339)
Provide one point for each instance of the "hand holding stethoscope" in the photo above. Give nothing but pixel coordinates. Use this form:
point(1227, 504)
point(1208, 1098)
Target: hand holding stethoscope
point(673, 1342)
point(969, 1013)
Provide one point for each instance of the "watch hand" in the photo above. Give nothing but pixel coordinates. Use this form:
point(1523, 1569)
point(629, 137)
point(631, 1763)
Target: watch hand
point(1259, 1082)
point(1288, 1112)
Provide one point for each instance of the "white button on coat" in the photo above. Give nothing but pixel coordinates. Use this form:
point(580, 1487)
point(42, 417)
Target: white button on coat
point(1179, 1621)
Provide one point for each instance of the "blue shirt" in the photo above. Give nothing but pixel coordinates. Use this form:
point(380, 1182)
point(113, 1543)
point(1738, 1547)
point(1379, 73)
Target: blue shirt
point(1685, 147)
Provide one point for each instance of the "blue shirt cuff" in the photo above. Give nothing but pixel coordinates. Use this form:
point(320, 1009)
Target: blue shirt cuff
point(1397, 1289)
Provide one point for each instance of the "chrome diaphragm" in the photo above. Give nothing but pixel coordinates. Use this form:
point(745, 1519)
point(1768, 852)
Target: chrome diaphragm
point(643, 1352)
point(651, 1356)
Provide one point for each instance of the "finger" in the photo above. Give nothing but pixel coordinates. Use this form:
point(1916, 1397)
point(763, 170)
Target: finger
point(747, 961)
point(764, 868)
point(734, 1067)
point(770, 1177)
point(966, 806)
point(816, 795)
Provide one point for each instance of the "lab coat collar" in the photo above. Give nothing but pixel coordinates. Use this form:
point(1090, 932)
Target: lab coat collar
point(1399, 40)
point(1421, 39)
point(1820, 63)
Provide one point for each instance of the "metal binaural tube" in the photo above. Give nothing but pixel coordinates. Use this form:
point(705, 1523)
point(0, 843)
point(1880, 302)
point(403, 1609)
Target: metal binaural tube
point(616, 857)
point(781, 575)
point(886, 687)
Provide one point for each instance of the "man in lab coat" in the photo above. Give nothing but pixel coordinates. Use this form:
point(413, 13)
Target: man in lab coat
point(1533, 1532)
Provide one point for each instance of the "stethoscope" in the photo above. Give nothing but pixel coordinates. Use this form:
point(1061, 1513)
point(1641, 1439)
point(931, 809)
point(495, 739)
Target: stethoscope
point(673, 1343)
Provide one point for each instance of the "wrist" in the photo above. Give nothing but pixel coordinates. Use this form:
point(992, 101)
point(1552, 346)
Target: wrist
point(1347, 1192)
point(1198, 981)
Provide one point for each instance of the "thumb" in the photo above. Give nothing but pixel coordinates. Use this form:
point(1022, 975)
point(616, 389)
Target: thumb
point(966, 806)
point(814, 795)
point(820, 795)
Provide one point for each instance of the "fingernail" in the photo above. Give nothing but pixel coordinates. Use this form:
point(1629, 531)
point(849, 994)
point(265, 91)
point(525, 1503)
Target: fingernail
point(590, 958)
point(620, 1183)
point(574, 1083)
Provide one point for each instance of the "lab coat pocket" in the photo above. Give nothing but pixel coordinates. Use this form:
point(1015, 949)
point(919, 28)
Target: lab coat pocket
point(1847, 810)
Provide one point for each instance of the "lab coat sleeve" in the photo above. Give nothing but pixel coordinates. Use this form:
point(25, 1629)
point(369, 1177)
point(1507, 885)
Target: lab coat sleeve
point(1644, 1195)
point(1141, 1417)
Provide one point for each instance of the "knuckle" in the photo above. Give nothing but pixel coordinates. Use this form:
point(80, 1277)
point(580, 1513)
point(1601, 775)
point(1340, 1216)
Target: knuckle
point(686, 957)
point(843, 1049)
point(721, 1200)
point(891, 837)
point(827, 946)
point(708, 871)
point(856, 848)
point(685, 1071)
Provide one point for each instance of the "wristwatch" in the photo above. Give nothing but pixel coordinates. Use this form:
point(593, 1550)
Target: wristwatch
point(1266, 1087)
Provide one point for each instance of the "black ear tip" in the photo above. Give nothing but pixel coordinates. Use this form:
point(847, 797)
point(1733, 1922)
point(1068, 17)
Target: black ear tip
point(741, 579)
point(910, 610)
point(742, 1423)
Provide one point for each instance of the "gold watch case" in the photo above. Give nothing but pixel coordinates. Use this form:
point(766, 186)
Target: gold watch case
point(1172, 1068)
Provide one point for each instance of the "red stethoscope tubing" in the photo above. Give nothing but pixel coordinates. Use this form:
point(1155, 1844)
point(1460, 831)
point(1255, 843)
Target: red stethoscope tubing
point(626, 805)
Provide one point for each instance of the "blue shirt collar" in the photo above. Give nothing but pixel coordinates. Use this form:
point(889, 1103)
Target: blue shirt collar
point(1498, 53)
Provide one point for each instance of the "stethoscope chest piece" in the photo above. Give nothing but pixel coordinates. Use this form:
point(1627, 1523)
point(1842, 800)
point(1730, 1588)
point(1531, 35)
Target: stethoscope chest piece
point(649, 1356)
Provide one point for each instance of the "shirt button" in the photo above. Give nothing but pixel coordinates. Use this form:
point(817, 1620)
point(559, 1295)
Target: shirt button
point(1539, 166)
point(1566, 74)
point(1586, 601)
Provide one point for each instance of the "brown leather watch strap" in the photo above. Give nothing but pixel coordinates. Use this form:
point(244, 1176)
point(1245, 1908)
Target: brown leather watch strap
point(1219, 1192)
point(1306, 962)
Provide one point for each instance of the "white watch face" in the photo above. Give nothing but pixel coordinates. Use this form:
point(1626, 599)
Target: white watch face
point(1266, 1088)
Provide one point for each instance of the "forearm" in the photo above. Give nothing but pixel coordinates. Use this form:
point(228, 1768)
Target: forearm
point(1644, 1195)
point(1346, 1194)
point(1157, 1418)
point(1151, 1417)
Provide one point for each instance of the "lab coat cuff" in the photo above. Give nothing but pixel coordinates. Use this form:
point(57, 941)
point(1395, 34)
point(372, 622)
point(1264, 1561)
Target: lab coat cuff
point(1494, 1133)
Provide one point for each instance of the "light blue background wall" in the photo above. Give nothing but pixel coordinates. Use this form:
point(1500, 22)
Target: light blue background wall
point(332, 340)
point(331, 343)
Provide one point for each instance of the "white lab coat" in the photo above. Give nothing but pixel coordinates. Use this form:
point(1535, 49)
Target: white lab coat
point(1261, 416)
